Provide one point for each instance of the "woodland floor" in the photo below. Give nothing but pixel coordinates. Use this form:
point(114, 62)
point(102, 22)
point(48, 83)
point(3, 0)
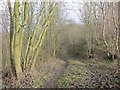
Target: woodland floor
point(86, 74)
point(90, 74)
point(75, 73)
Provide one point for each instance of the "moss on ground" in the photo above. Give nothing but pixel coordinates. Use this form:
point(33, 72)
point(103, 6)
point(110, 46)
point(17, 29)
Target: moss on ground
point(89, 74)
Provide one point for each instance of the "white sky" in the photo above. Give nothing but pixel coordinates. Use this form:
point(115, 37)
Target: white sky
point(71, 11)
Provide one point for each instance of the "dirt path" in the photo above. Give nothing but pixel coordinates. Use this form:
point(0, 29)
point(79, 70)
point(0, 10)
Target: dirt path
point(50, 83)
point(83, 73)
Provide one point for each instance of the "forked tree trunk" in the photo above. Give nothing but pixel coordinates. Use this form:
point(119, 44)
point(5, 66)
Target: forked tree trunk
point(16, 36)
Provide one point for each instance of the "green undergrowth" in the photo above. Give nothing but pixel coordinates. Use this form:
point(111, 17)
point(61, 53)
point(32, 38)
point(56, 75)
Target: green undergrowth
point(89, 74)
point(74, 75)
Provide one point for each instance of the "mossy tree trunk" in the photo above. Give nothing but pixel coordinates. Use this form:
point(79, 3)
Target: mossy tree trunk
point(16, 36)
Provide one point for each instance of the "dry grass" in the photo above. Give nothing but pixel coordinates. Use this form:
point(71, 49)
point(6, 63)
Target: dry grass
point(46, 70)
point(36, 78)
